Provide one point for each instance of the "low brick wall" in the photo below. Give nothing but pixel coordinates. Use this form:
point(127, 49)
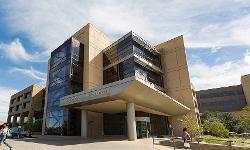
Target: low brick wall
point(176, 144)
point(37, 133)
point(206, 146)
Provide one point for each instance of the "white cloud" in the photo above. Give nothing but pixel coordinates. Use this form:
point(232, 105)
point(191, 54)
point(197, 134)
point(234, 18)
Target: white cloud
point(15, 51)
point(207, 24)
point(225, 74)
point(35, 74)
point(3, 116)
point(213, 23)
point(5, 94)
point(215, 49)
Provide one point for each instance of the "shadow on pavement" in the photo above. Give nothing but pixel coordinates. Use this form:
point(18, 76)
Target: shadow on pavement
point(68, 140)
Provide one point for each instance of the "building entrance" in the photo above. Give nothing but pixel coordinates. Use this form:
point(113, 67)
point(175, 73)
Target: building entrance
point(143, 127)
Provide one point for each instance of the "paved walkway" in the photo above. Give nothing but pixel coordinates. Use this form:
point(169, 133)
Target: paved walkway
point(76, 143)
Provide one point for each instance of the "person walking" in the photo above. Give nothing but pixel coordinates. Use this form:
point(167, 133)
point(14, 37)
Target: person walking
point(5, 133)
point(170, 131)
point(185, 136)
point(1, 134)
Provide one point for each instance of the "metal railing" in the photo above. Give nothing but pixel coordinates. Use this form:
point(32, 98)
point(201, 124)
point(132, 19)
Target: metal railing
point(228, 141)
point(171, 139)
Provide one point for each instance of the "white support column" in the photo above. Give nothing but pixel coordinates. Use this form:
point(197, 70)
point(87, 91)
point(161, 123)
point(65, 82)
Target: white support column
point(132, 136)
point(84, 124)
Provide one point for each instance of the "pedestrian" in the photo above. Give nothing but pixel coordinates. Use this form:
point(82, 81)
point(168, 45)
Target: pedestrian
point(1, 134)
point(19, 131)
point(185, 136)
point(170, 131)
point(5, 133)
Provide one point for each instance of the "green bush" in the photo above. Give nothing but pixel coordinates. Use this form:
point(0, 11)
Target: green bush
point(215, 128)
point(34, 127)
point(229, 121)
point(234, 122)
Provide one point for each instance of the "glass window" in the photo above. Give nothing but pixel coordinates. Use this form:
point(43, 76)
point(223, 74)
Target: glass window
point(11, 109)
point(19, 98)
point(65, 77)
point(28, 95)
point(240, 92)
point(19, 107)
point(26, 119)
point(27, 105)
point(59, 56)
point(12, 101)
point(126, 68)
point(59, 76)
point(118, 52)
point(55, 95)
point(110, 75)
point(148, 75)
point(145, 54)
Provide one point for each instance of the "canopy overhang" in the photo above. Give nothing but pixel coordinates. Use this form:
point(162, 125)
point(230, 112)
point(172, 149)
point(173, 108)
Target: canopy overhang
point(114, 96)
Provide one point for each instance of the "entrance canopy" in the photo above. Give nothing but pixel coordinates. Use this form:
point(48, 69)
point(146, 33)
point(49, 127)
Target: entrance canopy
point(113, 97)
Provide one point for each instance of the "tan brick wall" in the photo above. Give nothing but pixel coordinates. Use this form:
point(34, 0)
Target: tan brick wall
point(95, 124)
point(233, 107)
point(245, 81)
point(176, 78)
point(35, 104)
point(94, 42)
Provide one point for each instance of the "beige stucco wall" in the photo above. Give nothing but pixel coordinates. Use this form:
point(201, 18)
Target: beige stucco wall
point(176, 78)
point(95, 124)
point(94, 42)
point(245, 81)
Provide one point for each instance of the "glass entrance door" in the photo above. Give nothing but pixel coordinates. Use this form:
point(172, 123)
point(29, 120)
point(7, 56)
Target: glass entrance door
point(143, 129)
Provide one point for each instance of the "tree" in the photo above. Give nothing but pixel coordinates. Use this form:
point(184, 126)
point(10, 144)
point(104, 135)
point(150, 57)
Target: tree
point(229, 121)
point(216, 128)
point(234, 121)
point(34, 127)
point(246, 109)
point(190, 122)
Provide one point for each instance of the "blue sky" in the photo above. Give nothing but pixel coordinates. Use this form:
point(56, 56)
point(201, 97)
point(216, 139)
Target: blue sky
point(216, 34)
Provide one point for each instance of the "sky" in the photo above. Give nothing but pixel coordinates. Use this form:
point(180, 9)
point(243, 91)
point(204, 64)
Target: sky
point(216, 35)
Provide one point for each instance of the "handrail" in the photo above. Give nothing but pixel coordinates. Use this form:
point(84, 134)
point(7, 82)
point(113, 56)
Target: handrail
point(229, 142)
point(172, 139)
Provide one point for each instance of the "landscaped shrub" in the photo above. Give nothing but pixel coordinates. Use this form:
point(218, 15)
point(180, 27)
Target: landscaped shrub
point(238, 122)
point(34, 127)
point(216, 128)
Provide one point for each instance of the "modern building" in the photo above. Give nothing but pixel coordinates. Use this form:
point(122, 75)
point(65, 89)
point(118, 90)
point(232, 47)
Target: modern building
point(245, 83)
point(225, 99)
point(27, 105)
point(129, 88)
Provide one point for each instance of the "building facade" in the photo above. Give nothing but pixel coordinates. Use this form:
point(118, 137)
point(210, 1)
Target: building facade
point(128, 88)
point(225, 99)
point(65, 77)
point(26, 106)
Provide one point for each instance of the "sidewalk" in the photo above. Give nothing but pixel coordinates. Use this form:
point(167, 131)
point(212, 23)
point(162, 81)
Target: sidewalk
point(76, 143)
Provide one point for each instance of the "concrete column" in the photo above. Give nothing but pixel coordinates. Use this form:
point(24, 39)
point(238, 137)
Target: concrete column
point(14, 123)
point(21, 119)
point(30, 116)
point(9, 119)
point(132, 136)
point(84, 124)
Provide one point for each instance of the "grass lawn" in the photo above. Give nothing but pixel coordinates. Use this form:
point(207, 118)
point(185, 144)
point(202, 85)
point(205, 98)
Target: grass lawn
point(217, 140)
